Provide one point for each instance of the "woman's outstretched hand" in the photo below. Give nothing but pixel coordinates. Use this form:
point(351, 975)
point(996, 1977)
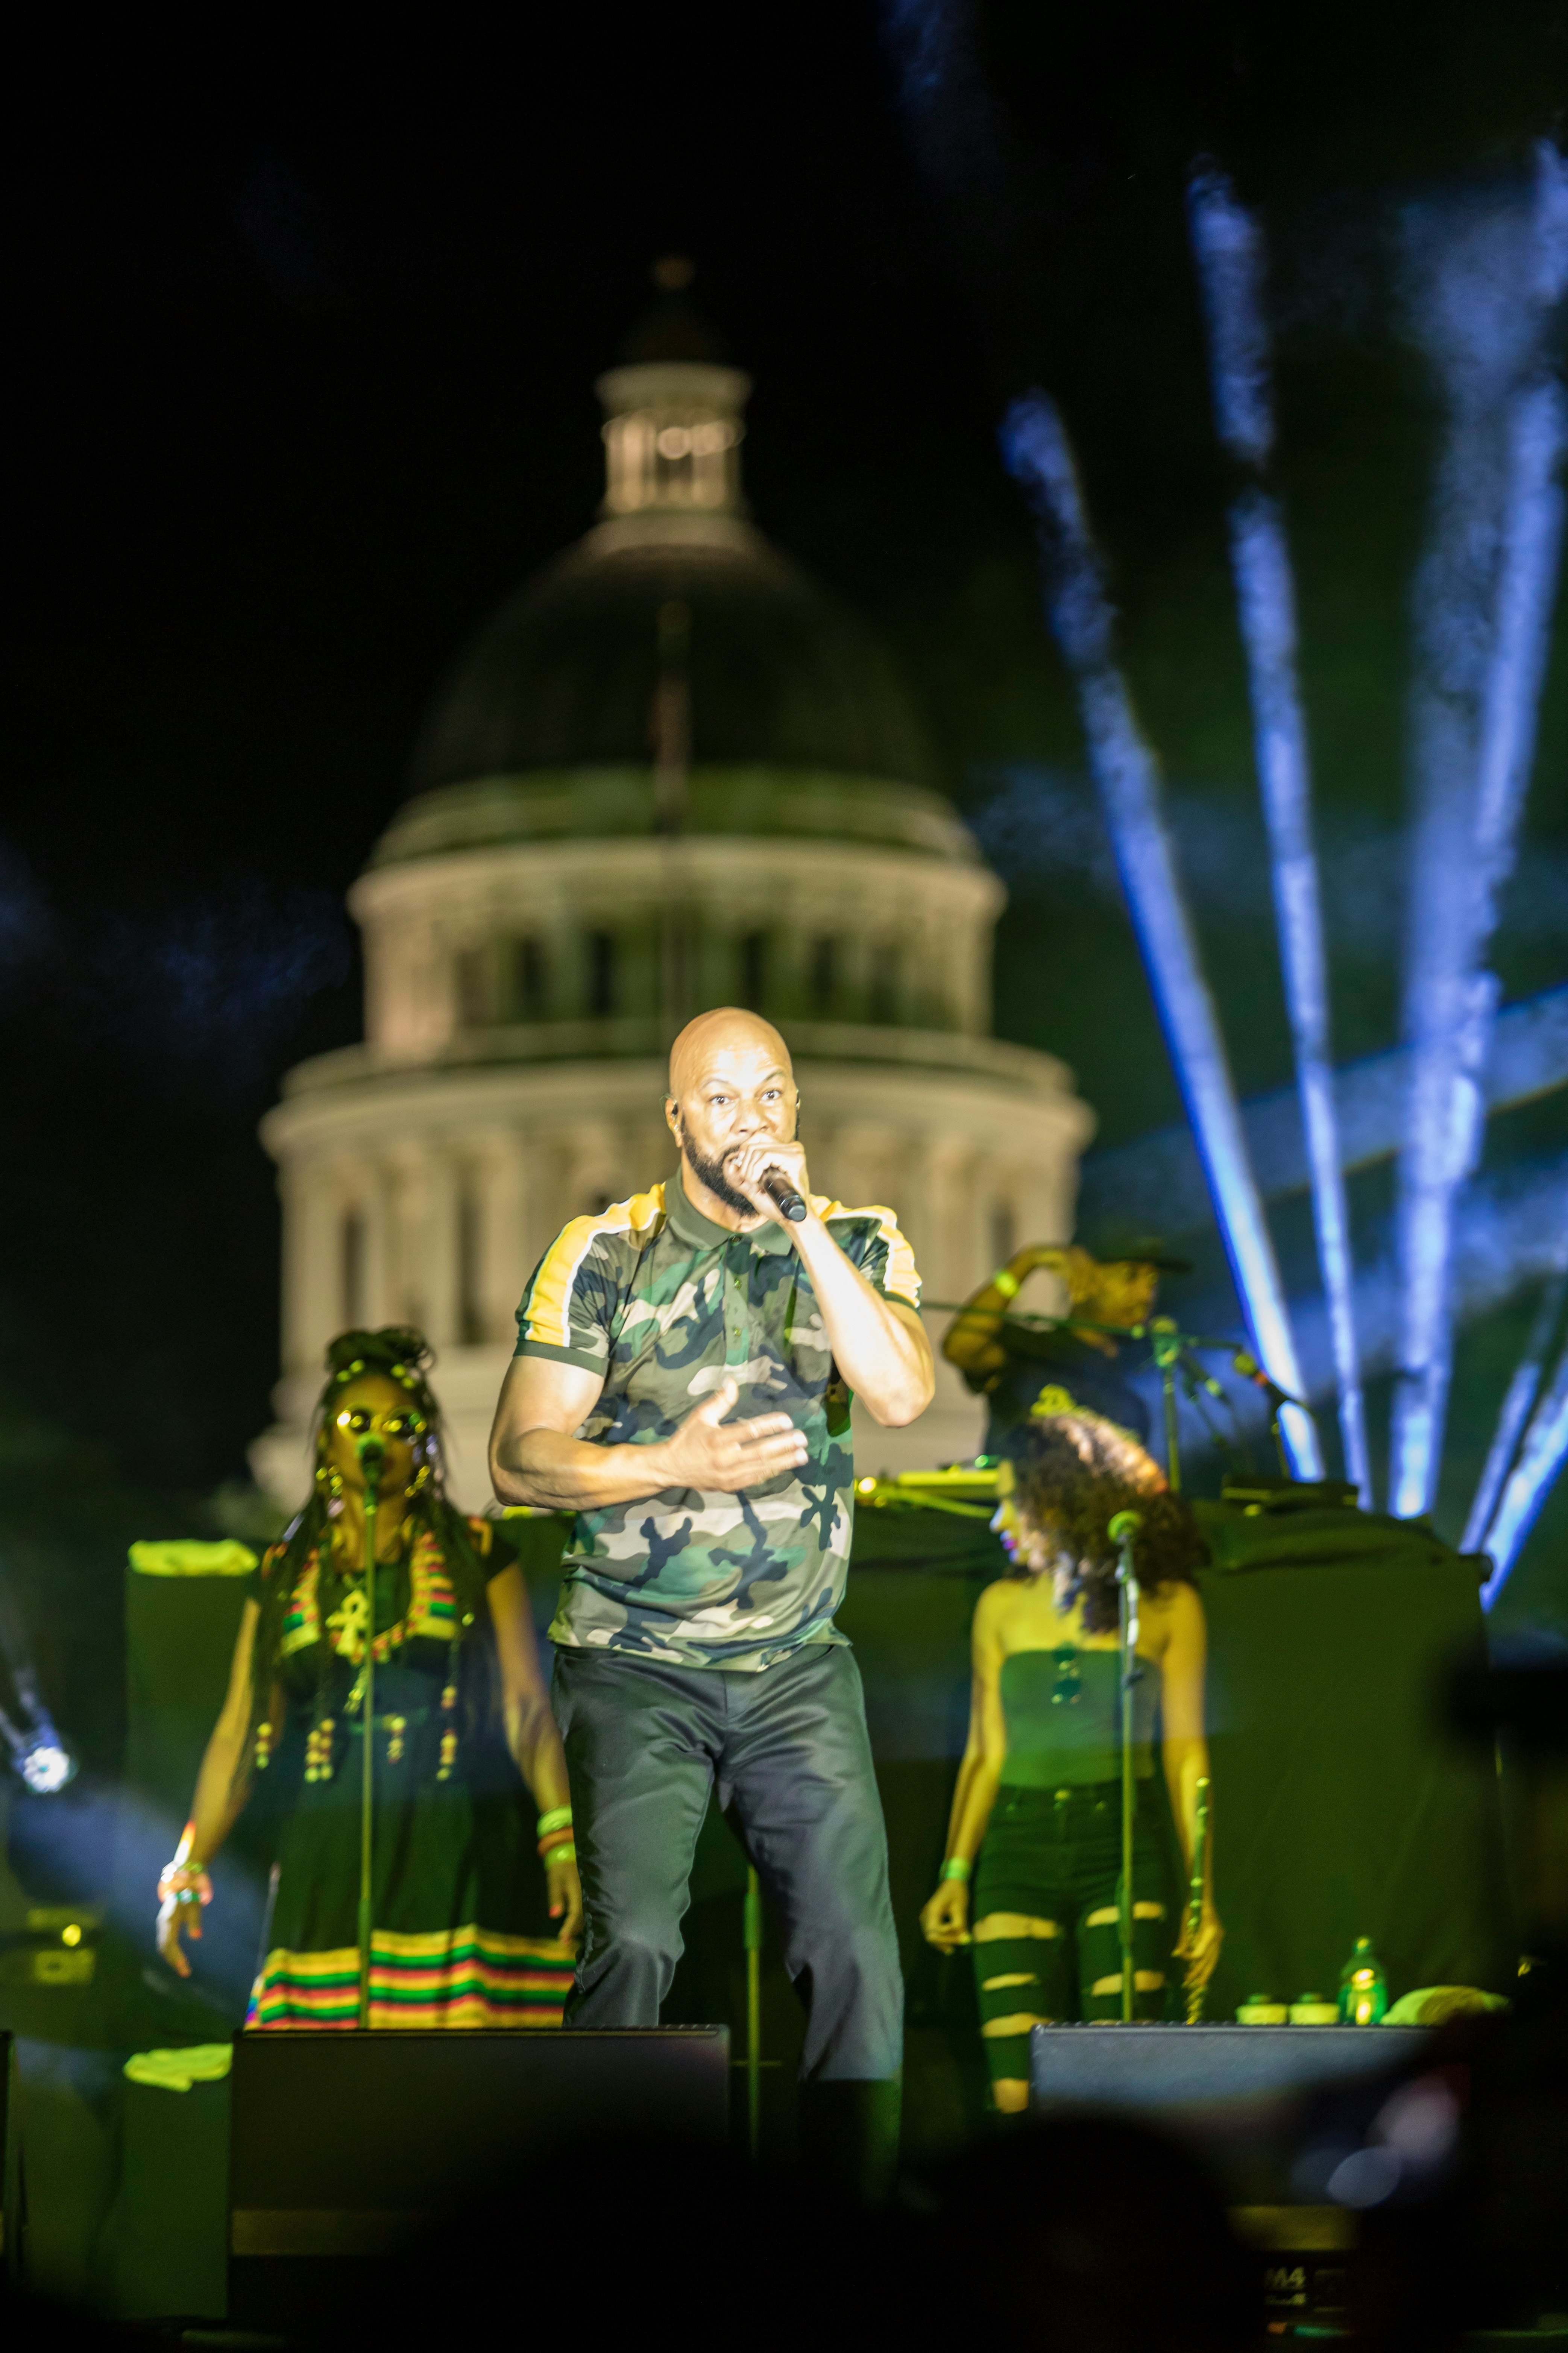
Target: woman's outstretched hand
point(177, 1913)
point(566, 1902)
point(1200, 1952)
point(944, 1922)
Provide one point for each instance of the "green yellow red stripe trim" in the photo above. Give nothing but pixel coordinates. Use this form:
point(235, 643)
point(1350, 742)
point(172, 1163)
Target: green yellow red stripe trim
point(467, 1977)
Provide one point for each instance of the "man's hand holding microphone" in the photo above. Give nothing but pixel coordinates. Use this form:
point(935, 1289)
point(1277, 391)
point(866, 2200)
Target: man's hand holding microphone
point(773, 1178)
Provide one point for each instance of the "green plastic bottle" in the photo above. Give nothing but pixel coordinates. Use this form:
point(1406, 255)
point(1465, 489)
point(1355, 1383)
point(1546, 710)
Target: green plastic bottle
point(1364, 1988)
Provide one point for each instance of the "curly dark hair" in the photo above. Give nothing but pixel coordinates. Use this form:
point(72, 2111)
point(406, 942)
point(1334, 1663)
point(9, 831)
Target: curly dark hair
point(1073, 1474)
point(404, 1356)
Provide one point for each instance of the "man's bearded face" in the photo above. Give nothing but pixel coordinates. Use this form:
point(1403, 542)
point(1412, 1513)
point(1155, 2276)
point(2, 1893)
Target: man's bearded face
point(710, 1170)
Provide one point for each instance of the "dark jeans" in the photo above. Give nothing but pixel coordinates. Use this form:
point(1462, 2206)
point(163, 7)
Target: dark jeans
point(1055, 1856)
point(645, 1743)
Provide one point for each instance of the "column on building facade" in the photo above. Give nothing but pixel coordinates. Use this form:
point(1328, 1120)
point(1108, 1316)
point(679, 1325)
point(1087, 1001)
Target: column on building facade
point(941, 1186)
point(312, 1217)
point(375, 1203)
point(592, 1166)
point(501, 1164)
point(860, 1164)
point(441, 1187)
point(418, 1183)
point(411, 1004)
point(943, 1174)
point(395, 1015)
point(968, 963)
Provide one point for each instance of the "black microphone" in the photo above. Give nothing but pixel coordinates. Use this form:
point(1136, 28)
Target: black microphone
point(371, 1452)
point(783, 1195)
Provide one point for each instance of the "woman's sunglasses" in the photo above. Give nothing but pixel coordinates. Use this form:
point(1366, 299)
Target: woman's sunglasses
point(359, 1422)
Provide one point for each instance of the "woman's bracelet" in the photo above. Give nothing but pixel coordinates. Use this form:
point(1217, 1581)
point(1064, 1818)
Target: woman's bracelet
point(556, 1820)
point(553, 1838)
point(957, 1866)
point(561, 1854)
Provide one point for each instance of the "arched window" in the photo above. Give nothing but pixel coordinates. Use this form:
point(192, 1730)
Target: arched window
point(1003, 1232)
point(823, 975)
point(884, 994)
point(604, 981)
point(470, 1235)
point(475, 1008)
point(752, 978)
point(528, 978)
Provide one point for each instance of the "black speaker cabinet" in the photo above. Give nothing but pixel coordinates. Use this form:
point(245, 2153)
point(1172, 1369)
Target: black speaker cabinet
point(1242, 2096)
point(345, 2149)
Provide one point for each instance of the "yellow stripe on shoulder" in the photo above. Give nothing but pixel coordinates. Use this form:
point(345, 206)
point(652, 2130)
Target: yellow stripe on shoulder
point(550, 1306)
point(902, 1277)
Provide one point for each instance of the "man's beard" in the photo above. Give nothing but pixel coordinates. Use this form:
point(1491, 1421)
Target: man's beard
point(711, 1173)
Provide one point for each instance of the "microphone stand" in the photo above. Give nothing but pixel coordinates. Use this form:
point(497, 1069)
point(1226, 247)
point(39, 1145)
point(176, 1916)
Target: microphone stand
point(1165, 1343)
point(372, 1455)
point(1121, 1531)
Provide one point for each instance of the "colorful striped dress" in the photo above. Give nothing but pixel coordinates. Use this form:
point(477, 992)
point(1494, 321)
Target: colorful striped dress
point(461, 1935)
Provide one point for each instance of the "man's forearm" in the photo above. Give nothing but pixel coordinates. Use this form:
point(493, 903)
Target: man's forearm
point(886, 1362)
point(555, 1473)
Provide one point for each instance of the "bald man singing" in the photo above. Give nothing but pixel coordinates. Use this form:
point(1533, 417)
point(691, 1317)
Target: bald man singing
point(680, 1384)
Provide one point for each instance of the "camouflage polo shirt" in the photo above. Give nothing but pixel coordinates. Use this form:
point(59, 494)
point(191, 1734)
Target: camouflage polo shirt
point(665, 1303)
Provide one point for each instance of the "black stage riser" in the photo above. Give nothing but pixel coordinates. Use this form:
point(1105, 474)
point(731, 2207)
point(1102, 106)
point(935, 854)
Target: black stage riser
point(346, 2149)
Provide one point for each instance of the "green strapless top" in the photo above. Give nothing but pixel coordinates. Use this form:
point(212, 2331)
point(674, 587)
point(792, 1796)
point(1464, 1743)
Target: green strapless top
point(1062, 1711)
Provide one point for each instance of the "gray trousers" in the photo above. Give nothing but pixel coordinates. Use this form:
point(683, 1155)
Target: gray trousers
point(645, 1743)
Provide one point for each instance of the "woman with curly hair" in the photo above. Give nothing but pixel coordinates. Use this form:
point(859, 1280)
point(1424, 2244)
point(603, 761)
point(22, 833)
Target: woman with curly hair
point(461, 1710)
point(1039, 1791)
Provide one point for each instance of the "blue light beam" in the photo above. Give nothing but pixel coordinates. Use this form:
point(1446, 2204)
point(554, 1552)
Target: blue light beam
point(1540, 1458)
point(1036, 451)
point(1486, 286)
point(1228, 246)
point(1514, 1414)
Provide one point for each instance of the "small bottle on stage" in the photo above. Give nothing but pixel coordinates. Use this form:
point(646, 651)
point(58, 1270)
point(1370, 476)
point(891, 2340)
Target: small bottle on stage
point(1364, 1988)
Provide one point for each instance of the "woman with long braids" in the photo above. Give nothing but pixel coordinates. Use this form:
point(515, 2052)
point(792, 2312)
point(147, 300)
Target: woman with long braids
point(460, 1711)
point(1039, 1791)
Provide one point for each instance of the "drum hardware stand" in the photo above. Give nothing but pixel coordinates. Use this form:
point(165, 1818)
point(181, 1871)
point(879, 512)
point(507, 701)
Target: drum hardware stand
point(1121, 1531)
point(372, 1451)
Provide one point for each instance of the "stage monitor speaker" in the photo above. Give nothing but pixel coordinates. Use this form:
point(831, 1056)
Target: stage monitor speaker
point(1242, 2096)
point(347, 2149)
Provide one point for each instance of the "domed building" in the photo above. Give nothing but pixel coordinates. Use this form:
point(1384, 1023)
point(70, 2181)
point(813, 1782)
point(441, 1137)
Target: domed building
point(672, 773)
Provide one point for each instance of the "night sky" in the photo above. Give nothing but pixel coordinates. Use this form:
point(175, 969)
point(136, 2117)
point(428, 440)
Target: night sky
point(303, 331)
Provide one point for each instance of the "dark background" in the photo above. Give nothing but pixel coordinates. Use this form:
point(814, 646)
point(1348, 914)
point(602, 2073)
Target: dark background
point(303, 324)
